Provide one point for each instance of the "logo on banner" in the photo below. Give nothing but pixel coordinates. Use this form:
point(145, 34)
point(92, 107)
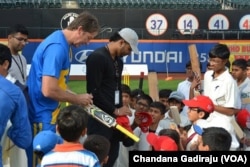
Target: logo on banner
point(67, 19)
point(82, 55)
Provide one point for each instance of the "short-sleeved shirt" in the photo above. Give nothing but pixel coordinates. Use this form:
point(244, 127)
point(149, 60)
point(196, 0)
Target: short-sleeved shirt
point(244, 89)
point(51, 58)
point(73, 155)
point(223, 91)
point(184, 88)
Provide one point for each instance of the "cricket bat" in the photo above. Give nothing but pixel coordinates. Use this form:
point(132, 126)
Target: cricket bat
point(153, 86)
point(108, 120)
point(238, 131)
point(175, 114)
point(195, 63)
point(141, 81)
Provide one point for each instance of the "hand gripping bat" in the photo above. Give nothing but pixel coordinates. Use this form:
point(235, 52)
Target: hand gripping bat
point(108, 120)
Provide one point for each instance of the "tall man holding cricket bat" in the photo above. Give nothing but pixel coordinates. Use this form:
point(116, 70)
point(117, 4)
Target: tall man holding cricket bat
point(49, 73)
point(104, 70)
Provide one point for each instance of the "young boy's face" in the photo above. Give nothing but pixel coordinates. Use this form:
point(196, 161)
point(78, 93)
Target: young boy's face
point(248, 72)
point(165, 102)
point(189, 72)
point(125, 99)
point(133, 102)
point(217, 64)
point(194, 115)
point(176, 103)
point(238, 73)
point(156, 115)
point(142, 105)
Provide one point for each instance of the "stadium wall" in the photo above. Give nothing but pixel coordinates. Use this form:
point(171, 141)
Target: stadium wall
point(163, 51)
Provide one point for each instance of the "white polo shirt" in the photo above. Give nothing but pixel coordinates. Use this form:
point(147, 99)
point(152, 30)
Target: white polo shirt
point(223, 91)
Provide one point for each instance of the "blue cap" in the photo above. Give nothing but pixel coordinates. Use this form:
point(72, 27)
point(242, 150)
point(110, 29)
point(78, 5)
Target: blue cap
point(45, 141)
point(177, 96)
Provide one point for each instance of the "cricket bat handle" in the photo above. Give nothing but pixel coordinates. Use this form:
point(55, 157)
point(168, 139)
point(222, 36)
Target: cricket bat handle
point(141, 80)
point(109, 121)
point(128, 133)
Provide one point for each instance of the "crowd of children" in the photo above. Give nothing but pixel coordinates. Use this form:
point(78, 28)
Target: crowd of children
point(180, 121)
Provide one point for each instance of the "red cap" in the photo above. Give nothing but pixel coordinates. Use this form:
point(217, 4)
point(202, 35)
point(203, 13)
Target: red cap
point(124, 122)
point(161, 143)
point(202, 102)
point(241, 117)
point(145, 119)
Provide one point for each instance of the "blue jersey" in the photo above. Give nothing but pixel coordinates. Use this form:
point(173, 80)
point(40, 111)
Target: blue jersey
point(13, 107)
point(51, 58)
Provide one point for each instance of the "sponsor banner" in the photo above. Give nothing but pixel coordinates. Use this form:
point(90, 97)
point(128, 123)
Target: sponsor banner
point(128, 69)
point(159, 56)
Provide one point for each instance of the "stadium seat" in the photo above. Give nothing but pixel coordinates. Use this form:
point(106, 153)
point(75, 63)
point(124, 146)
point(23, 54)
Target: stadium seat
point(51, 3)
point(147, 4)
point(80, 3)
point(106, 3)
point(6, 4)
point(17, 4)
point(86, 3)
point(155, 4)
point(130, 3)
point(31, 3)
point(140, 4)
point(58, 3)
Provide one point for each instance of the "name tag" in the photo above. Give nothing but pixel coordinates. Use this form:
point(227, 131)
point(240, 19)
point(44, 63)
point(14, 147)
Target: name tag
point(117, 97)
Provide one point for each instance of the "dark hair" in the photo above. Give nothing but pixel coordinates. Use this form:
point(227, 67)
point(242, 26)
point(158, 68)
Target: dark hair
point(188, 64)
point(173, 134)
point(115, 37)
point(71, 122)
point(220, 51)
point(206, 114)
point(145, 97)
point(125, 89)
point(136, 93)
point(18, 28)
point(5, 54)
point(39, 154)
point(208, 64)
point(97, 144)
point(248, 63)
point(241, 63)
point(165, 93)
point(88, 22)
point(218, 139)
point(187, 127)
point(158, 105)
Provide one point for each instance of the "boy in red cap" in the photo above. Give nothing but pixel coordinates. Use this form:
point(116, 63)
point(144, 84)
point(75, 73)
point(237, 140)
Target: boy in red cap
point(198, 108)
point(157, 112)
point(161, 143)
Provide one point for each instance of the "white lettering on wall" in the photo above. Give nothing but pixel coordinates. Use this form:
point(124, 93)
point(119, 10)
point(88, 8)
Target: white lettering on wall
point(155, 57)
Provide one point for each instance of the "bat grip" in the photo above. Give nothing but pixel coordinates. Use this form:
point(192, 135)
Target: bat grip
point(141, 80)
point(128, 133)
